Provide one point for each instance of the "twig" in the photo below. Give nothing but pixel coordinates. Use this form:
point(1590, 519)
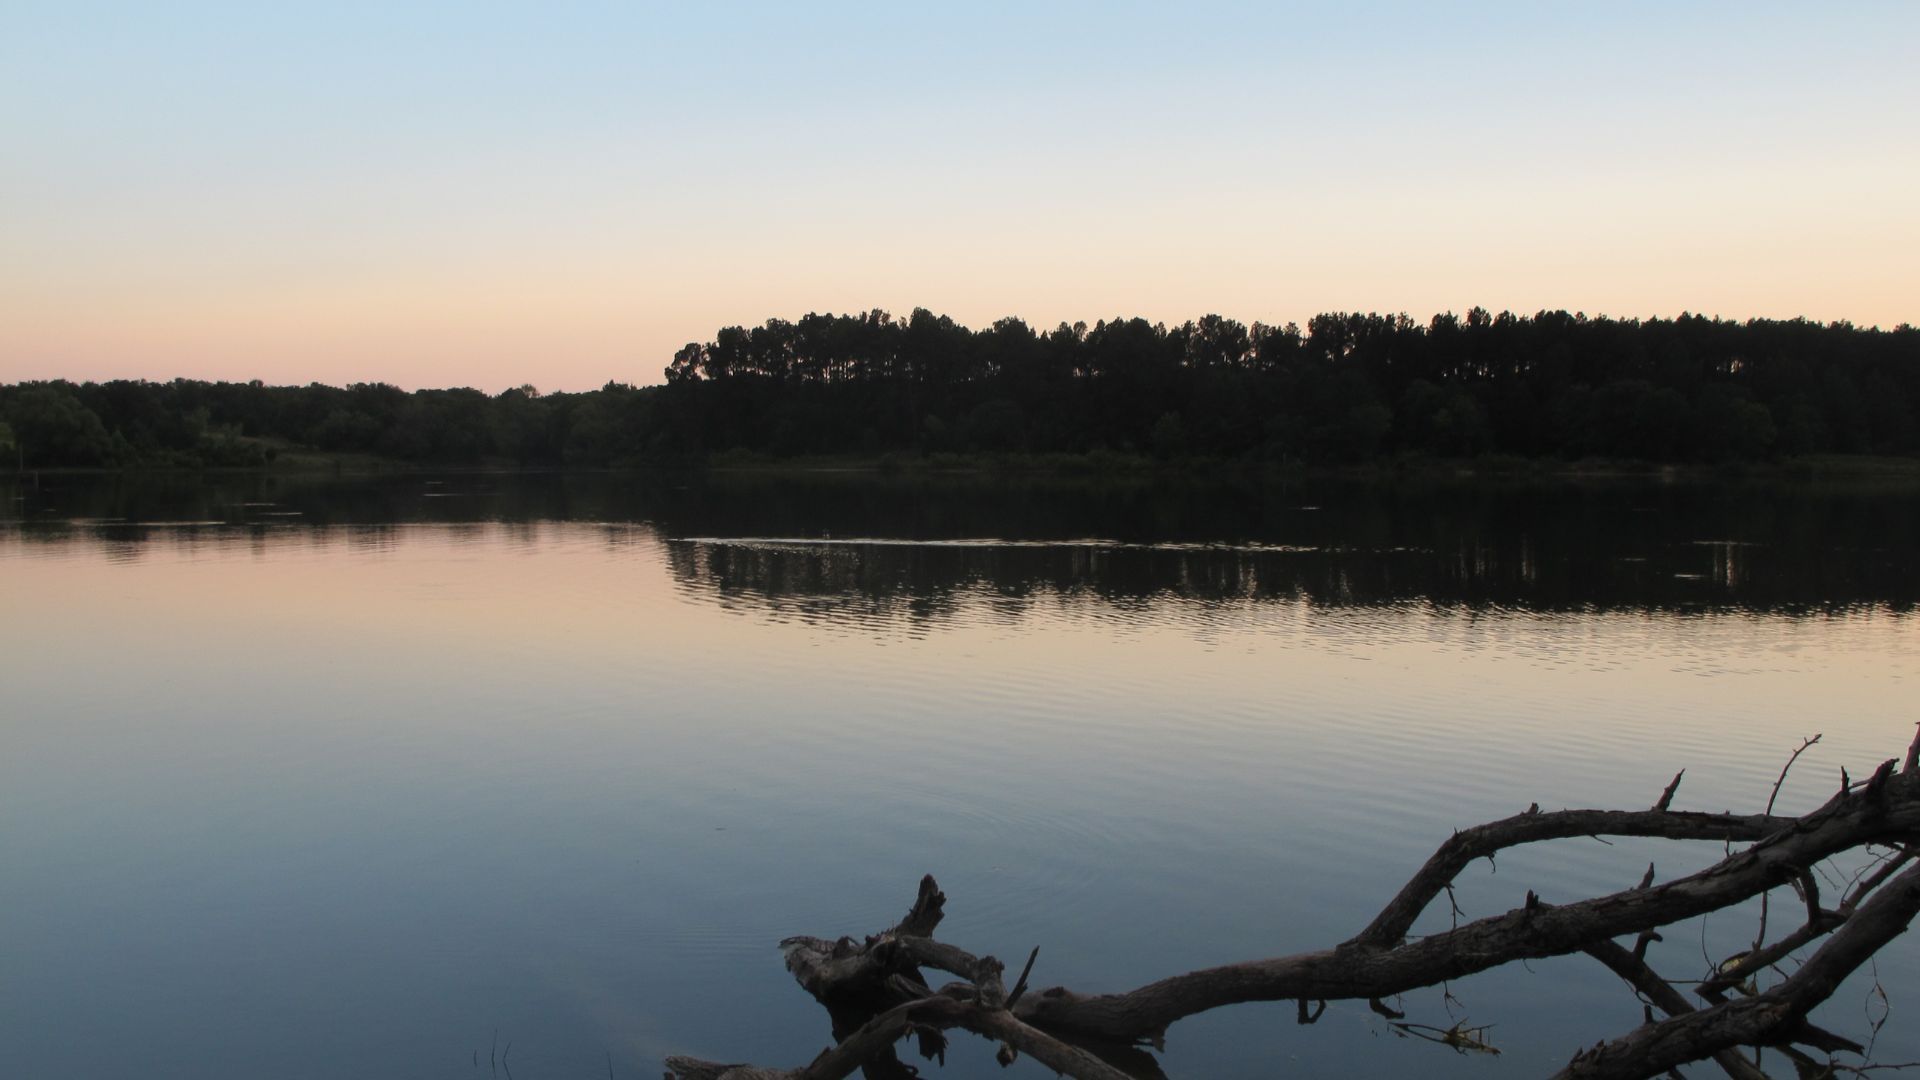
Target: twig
point(1461, 1038)
point(1874, 881)
point(1886, 1010)
point(1666, 797)
point(1795, 756)
point(1760, 935)
point(1020, 984)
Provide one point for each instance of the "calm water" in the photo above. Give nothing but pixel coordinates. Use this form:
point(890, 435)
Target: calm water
point(327, 778)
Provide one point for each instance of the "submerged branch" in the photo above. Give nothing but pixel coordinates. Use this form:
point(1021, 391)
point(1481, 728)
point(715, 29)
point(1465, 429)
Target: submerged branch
point(875, 993)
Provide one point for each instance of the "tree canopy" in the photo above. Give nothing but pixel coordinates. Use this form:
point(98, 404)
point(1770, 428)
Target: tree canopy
point(1347, 388)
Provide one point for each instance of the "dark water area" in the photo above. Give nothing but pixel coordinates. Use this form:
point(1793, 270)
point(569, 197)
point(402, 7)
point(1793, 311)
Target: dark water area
point(1606, 544)
point(312, 776)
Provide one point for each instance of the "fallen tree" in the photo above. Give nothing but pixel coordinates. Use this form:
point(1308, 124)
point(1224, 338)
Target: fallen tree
point(876, 993)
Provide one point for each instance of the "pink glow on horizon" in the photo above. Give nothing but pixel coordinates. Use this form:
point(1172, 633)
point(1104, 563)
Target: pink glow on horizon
point(496, 200)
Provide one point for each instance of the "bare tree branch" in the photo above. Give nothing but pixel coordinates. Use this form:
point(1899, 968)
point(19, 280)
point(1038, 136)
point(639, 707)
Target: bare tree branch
point(1360, 970)
point(875, 993)
point(1763, 1018)
point(1661, 994)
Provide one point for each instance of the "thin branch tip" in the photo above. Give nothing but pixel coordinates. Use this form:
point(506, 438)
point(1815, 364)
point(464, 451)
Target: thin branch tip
point(1666, 797)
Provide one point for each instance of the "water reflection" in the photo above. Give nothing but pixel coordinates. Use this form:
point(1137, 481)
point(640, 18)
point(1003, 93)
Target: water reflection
point(1512, 572)
point(357, 765)
point(910, 545)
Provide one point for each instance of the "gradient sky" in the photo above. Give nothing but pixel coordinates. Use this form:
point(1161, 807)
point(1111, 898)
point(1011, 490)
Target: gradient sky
point(487, 194)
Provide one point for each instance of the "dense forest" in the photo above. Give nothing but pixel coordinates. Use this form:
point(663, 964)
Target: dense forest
point(1348, 388)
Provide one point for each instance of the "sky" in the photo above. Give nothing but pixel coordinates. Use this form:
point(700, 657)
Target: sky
point(490, 194)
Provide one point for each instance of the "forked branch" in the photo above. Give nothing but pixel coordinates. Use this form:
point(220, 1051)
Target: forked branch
point(876, 994)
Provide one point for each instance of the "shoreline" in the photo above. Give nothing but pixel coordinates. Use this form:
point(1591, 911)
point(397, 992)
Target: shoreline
point(1096, 465)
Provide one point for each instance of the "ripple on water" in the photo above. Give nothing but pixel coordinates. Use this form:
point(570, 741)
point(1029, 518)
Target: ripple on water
point(727, 743)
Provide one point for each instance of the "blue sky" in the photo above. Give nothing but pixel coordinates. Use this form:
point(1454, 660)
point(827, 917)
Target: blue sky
point(490, 194)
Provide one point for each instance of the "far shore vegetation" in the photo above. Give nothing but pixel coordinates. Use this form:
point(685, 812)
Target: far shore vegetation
point(1496, 393)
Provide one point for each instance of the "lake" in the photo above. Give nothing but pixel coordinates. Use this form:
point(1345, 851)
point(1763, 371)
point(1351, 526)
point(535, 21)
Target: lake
point(334, 776)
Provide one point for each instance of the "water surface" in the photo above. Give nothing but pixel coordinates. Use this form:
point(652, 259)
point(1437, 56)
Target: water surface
point(327, 777)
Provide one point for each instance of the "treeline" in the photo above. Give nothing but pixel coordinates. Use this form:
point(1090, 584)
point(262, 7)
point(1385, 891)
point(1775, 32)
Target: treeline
point(189, 423)
point(1348, 388)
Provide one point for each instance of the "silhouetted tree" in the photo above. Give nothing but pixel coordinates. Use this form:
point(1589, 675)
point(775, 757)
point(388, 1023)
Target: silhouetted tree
point(1350, 387)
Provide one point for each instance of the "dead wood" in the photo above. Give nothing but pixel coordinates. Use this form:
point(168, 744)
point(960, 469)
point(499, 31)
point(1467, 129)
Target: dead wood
point(876, 993)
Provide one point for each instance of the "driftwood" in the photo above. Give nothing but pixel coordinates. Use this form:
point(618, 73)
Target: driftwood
point(876, 994)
